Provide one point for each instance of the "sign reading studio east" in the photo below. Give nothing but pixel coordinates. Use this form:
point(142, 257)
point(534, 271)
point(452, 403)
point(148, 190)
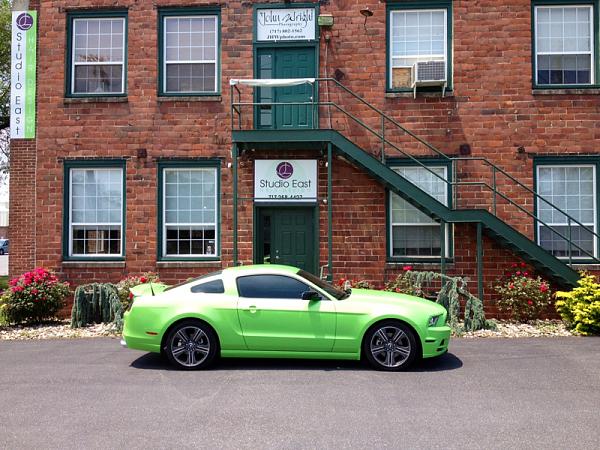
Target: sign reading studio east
point(285, 24)
point(285, 180)
point(22, 74)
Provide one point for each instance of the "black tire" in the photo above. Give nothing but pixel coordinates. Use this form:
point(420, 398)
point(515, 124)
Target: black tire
point(191, 345)
point(397, 352)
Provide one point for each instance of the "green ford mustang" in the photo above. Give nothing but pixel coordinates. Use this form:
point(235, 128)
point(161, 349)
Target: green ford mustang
point(270, 311)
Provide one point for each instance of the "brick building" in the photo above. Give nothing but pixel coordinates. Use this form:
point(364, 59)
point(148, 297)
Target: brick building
point(407, 132)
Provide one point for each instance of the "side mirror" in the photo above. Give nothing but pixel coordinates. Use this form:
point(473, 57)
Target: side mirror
point(310, 295)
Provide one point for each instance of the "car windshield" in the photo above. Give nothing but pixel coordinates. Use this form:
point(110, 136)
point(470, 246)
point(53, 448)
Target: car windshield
point(191, 280)
point(335, 292)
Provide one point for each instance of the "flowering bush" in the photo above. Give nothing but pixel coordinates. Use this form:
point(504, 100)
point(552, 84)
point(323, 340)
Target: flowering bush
point(403, 284)
point(580, 308)
point(125, 284)
point(33, 297)
point(345, 283)
point(522, 295)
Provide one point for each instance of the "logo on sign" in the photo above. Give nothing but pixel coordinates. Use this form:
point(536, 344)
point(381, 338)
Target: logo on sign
point(284, 170)
point(24, 21)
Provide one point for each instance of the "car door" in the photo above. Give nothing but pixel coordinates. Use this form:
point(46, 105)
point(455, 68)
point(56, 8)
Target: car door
point(274, 317)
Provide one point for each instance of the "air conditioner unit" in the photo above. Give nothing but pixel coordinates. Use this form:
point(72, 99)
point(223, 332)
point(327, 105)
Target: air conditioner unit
point(429, 73)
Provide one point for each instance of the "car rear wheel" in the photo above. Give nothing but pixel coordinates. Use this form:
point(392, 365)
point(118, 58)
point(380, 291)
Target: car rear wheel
point(191, 345)
point(390, 345)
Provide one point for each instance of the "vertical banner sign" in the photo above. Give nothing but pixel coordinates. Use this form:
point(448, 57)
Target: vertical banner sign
point(23, 67)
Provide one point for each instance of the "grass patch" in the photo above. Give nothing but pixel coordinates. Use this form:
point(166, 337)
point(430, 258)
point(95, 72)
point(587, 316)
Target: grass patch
point(3, 283)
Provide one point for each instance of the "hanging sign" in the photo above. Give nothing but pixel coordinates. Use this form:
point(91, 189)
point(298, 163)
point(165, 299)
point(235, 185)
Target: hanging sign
point(285, 24)
point(22, 72)
point(285, 180)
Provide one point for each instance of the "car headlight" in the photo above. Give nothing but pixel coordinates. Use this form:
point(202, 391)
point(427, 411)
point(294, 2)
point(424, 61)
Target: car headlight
point(433, 320)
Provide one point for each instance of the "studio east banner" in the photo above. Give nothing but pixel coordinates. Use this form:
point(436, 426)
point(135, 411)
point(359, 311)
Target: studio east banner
point(23, 74)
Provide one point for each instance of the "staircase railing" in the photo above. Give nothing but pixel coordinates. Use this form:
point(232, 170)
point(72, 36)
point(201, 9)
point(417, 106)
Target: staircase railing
point(383, 135)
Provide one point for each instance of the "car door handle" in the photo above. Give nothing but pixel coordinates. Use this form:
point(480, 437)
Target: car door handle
point(251, 308)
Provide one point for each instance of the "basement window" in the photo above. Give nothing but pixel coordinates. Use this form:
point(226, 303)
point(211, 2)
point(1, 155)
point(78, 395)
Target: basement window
point(570, 189)
point(189, 46)
point(97, 54)
point(413, 234)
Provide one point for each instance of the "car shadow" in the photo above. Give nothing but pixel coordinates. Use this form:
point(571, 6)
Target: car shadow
point(154, 361)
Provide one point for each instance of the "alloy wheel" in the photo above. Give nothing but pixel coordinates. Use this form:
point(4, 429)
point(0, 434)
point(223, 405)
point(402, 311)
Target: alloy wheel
point(190, 346)
point(390, 346)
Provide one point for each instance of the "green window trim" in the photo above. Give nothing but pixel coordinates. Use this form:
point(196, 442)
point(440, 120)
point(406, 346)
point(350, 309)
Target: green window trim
point(399, 5)
point(449, 232)
point(91, 164)
point(214, 163)
point(595, 84)
point(93, 14)
point(587, 160)
point(186, 12)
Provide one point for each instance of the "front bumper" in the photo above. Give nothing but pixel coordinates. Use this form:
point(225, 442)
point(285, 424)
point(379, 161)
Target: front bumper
point(436, 341)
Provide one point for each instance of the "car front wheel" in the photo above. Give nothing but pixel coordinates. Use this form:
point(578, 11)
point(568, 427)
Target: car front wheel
point(191, 345)
point(390, 346)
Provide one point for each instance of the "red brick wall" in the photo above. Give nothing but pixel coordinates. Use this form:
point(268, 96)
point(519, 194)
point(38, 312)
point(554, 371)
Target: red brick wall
point(491, 108)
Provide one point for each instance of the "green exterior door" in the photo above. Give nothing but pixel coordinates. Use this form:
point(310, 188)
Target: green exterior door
point(286, 235)
point(292, 62)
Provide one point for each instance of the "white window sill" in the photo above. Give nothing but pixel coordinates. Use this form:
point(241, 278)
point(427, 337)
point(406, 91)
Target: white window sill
point(431, 94)
point(92, 99)
point(188, 264)
point(189, 98)
point(570, 91)
point(93, 263)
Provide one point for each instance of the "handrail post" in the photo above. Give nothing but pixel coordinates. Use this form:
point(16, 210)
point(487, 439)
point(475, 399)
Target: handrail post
point(234, 157)
point(494, 189)
point(329, 213)
point(231, 103)
point(313, 104)
point(240, 111)
point(383, 139)
point(442, 247)
point(569, 242)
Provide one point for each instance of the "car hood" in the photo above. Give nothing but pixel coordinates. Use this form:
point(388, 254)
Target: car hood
point(375, 298)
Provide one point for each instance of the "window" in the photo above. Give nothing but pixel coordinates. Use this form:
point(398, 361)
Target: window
point(271, 286)
point(564, 48)
point(97, 54)
point(416, 35)
point(571, 188)
point(413, 233)
point(210, 287)
point(189, 45)
point(95, 211)
point(189, 211)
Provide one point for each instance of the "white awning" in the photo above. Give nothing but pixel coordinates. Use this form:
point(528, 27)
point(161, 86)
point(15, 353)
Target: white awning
point(272, 82)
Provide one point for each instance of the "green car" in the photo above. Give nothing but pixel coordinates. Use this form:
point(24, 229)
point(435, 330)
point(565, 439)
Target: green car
point(270, 311)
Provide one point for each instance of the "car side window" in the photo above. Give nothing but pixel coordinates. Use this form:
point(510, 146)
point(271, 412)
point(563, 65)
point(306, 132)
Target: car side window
point(210, 287)
point(271, 286)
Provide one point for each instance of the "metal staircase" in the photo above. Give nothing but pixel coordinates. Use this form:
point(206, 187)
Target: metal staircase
point(358, 125)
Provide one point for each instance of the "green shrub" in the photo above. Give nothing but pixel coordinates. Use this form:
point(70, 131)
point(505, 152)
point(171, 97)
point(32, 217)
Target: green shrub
point(522, 295)
point(96, 303)
point(125, 284)
point(450, 291)
point(33, 297)
point(580, 308)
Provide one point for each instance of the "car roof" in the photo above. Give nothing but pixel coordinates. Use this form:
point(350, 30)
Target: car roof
point(257, 269)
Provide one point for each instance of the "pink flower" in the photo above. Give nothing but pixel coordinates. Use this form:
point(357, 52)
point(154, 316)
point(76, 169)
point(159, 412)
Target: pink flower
point(526, 274)
point(143, 280)
point(514, 265)
point(511, 286)
point(518, 272)
point(529, 302)
point(34, 291)
point(523, 264)
point(543, 288)
point(407, 268)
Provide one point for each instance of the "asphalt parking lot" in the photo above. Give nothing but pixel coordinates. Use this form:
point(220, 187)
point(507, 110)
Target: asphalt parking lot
point(517, 393)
